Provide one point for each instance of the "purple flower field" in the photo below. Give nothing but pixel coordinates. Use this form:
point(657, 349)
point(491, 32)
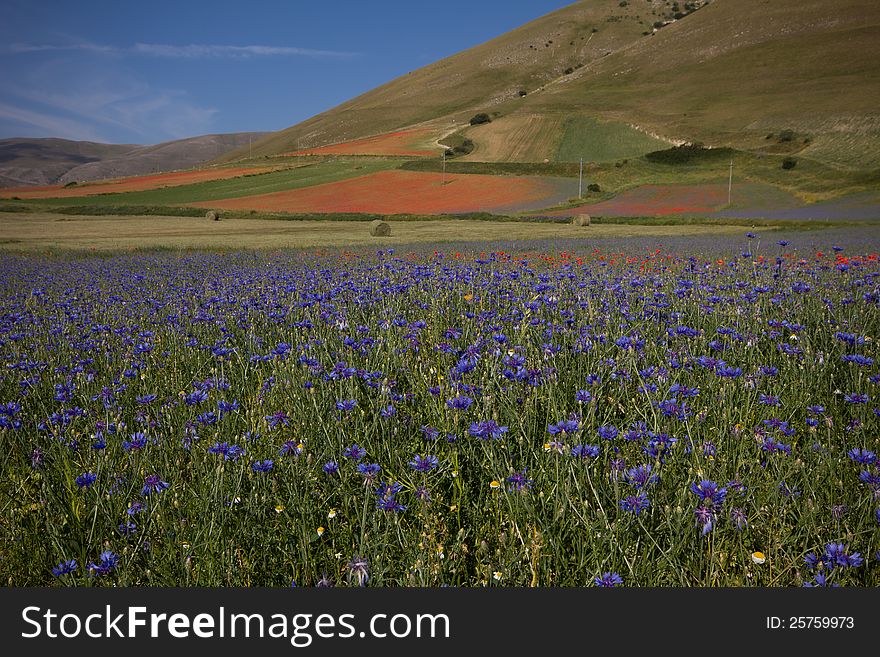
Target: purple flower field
point(539, 415)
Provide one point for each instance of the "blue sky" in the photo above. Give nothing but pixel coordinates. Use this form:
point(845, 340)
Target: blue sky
point(150, 71)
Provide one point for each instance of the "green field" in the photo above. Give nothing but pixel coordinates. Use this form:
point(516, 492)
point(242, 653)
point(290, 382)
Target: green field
point(603, 141)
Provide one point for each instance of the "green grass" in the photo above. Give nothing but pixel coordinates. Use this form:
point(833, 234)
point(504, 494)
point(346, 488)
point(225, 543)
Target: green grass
point(602, 141)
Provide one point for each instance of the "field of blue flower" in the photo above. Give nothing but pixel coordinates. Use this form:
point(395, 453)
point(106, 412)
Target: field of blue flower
point(450, 417)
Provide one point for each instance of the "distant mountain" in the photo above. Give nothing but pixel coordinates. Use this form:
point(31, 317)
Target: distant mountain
point(779, 76)
point(27, 162)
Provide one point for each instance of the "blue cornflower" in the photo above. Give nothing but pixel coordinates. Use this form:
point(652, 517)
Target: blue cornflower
point(107, 561)
point(708, 491)
point(229, 452)
point(135, 508)
point(738, 518)
point(196, 397)
point(262, 466)
point(277, 418)
point(856, 398)
point(127, 528)
point(290, 448)
point(145, 399)
point(487, 430)
point(635, 504)
point(369, 470)
point(836, 555)
point(565, 426)
point(153, 484)
point(858, 359)
point(424, 463)
point(355, 452)
point(86, 479)
point(330, 467)
point(860, 455)
point(460, 403)
point(518, 481)
point(772, 446)
point(607, 432)
point(387, 494)
point(705, 517)
point(136, 442)
point(582, 396)
point(346, 405)
point(640, 477)
point(585, 451)
point(608, 580)
point(358, 569)
point(64, 568)
point(207, 418)
point(729, 372)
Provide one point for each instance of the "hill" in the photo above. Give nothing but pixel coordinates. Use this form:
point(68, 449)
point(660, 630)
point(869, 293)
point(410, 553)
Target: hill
point(619, 78)
point(448, 92)
point(26, 162)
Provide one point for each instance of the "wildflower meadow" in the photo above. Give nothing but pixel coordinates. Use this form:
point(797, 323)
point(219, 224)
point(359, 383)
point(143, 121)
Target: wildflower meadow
point(443, 417)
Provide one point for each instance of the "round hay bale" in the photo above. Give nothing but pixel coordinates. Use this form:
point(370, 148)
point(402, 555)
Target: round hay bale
point(379, 228)
point(581, 220)
point(213, 215)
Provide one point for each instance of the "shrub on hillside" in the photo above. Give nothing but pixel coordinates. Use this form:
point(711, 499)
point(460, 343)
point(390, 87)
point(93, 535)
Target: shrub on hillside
point(482, 117)
point(687, 153)
point(465, 147)
point(789, 163)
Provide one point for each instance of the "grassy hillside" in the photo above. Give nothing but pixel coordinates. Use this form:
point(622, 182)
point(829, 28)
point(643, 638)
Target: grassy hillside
point(730, 73)
point(477, 79)
point(739, 70)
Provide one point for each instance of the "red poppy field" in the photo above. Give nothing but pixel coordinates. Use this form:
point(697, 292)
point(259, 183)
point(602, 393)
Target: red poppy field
point(401, 192)
point(403, 142)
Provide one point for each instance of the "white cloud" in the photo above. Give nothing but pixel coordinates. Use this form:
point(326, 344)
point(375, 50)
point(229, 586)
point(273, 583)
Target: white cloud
point(112, 103)
point(25, 48)
point(194, 51)
point(47, 123)
point(191, 51)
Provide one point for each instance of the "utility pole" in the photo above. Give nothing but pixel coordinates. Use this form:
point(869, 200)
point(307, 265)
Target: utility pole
point(581, 180)
point(730, 183)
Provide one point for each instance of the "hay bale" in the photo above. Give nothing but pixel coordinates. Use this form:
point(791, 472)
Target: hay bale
point(580, 220)
point(213, 215)
point(379, 228)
